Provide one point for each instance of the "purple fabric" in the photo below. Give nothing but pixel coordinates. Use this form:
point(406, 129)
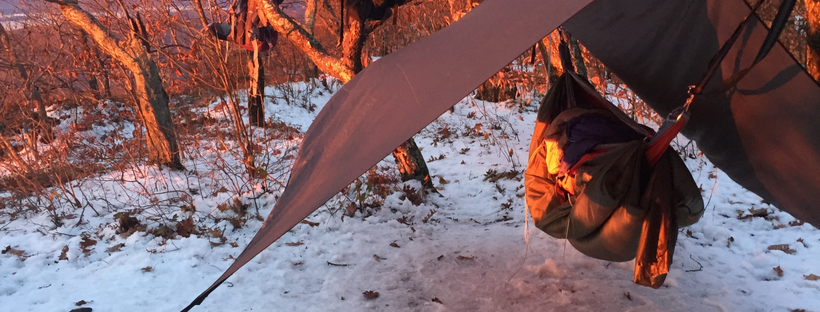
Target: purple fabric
point(587, 131)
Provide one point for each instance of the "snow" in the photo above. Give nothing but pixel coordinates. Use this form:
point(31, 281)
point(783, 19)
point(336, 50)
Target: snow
point(470, 255)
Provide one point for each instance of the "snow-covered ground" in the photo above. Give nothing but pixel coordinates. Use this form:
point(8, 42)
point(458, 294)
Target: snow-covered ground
point(462, 251)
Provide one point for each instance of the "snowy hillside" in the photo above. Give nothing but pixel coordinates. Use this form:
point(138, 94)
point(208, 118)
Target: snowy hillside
point(462, 250)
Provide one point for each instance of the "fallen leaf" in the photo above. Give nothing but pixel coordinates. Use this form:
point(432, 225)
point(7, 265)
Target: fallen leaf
point(760, 212)
point(729, 243)
point(370, 295)
point(440, 257)
point(783, 247)
point(111, 249)
point(393, 244)
point(442, 181)
point(778, 270)
point(429, 215)
point(796, 223)
point(147, 269)
point(351, 210)
point(221, 190)
point(86, 244)
point(64, 253)
point(186, 227)
point(378, 258)
point(233, 244)
point(436, 300)
point(628, 296)
point(312, 224)
point(460, 257)
point(299, 243)
point(82, 302)
point(812, 277)
point(17, 252)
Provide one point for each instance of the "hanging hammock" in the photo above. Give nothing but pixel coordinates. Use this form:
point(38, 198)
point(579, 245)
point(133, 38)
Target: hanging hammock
point(611, 187)
point(594, 179)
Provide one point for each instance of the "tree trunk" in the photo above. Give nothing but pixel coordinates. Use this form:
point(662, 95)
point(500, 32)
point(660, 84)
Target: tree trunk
point(813, 38)
point(353, 44)
point(408, 156)
point(556, 68)
point(151, 97)
point(32, 92)
point(411, 163)
point(310, 14)
point(256, 105)
point(578, 55)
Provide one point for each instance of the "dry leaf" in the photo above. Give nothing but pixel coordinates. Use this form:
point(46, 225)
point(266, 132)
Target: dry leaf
point(812, 277)
point(64, 253)
point(233, 244)
point(351, 210)
point(442, 181)
point(299, 243)
point(215, 232)
point(429, 215)
point(796, 223)
point(312, 224)
point(86, 244)
point(378, 258)
point(82, 302)
point(440, 257)
point(460, 257)
point(111, 249)
point(729, 243)
point(778, 270)
point(186, 227)
point(783, 248)
point(17, 252)
point(436, 300)
point(147, 269)
point(393, 244)
point(370, 295)
point(760, 212)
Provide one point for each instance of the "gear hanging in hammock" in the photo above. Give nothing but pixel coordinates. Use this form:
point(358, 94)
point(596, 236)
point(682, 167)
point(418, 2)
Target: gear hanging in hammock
point(614, 188)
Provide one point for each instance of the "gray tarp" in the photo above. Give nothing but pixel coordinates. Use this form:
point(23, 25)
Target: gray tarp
point(765, 134)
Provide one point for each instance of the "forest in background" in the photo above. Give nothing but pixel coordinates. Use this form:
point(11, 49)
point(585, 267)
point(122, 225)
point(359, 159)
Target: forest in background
point(145, 72)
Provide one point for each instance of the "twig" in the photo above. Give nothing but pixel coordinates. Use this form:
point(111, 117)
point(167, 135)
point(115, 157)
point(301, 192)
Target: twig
point(696, 261)
point(337, 264)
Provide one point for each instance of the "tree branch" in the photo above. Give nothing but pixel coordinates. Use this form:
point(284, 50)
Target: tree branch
point(77, 16)
point(286, 26)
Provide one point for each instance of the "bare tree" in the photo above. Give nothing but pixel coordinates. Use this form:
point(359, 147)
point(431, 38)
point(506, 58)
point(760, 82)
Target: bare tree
point(31, 90)
point(151, 96)
point(358, 27)
point(813, 38)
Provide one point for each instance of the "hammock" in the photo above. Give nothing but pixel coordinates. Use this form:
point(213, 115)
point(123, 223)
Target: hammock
point(594, 179)
point(611, 187)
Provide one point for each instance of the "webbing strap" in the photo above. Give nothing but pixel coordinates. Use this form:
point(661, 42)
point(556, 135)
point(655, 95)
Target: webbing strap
point(714, 63)
point(783, 13)
point(677, 119)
